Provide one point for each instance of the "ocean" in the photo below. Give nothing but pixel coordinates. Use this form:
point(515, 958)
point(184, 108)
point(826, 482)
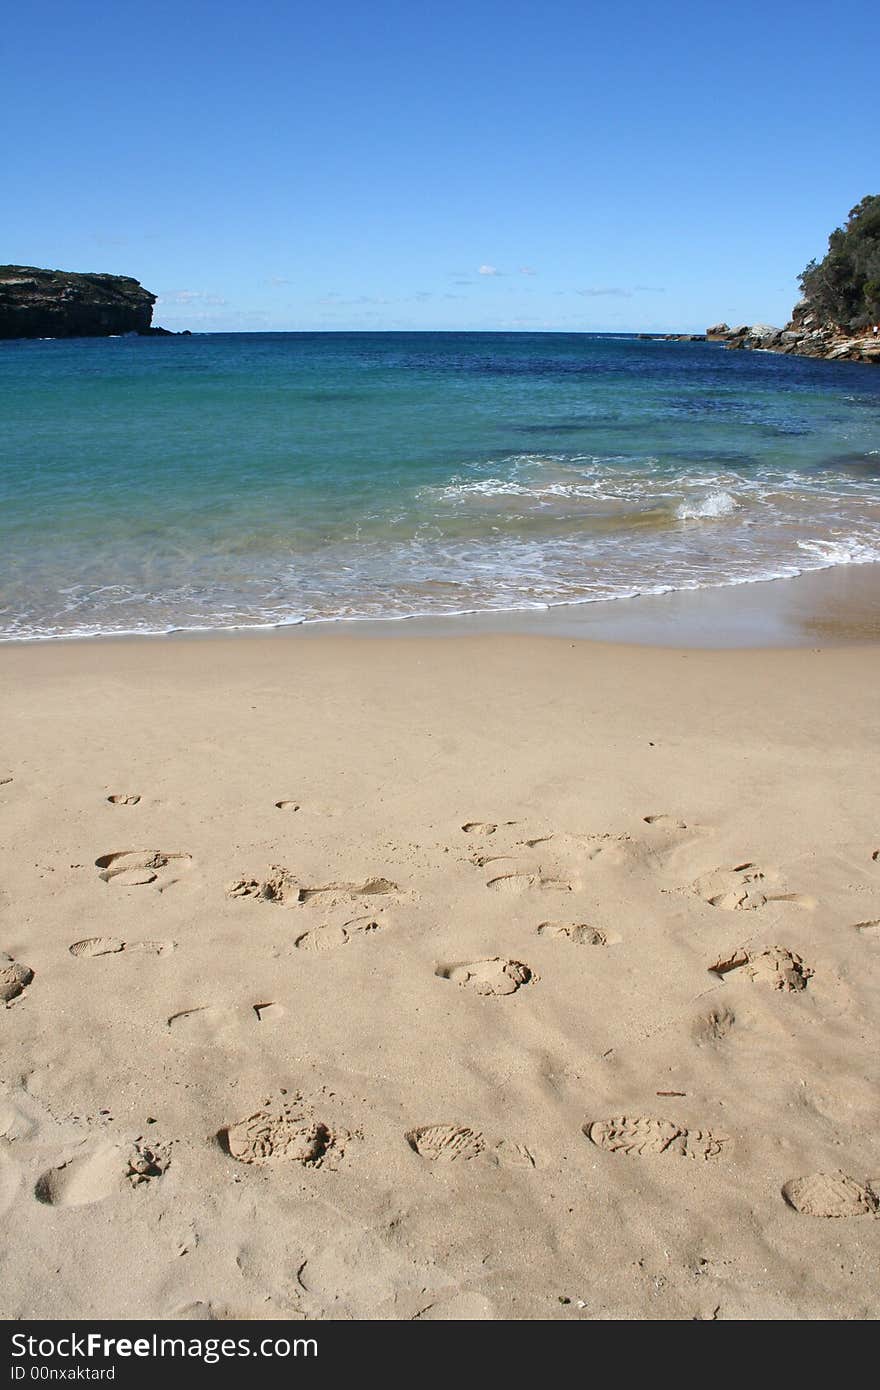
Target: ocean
point(250, 480)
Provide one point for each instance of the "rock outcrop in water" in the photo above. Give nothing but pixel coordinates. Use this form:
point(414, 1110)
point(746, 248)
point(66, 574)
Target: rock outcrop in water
point(805, 335)
point(838, 318)
point(64, 304)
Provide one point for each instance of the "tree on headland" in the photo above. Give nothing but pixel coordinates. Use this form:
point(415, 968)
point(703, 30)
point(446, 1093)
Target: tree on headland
point(844, 287)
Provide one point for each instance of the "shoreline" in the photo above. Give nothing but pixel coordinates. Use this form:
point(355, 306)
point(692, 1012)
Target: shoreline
point(839, 605)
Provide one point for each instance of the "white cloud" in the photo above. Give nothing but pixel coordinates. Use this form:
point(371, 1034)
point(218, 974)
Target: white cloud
point(488, 270)
point(527, 270)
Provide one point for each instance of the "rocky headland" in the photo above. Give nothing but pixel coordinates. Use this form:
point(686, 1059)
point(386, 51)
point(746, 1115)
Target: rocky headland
point(65, 304)
point(805, 335)
point(838, 316)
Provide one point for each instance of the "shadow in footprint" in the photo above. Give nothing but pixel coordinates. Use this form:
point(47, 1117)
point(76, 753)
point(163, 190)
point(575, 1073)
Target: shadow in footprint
point(870, 931)
point(83, 1180)
point(495, 976)
point(744, 888)
point(777, 966)
point(131, 868)
point(330, 936)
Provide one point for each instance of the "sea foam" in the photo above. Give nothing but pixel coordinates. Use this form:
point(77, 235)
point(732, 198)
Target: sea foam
point(711, 508)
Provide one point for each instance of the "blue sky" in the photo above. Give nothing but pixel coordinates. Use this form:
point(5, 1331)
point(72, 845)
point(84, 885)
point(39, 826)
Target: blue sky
point(485, 165)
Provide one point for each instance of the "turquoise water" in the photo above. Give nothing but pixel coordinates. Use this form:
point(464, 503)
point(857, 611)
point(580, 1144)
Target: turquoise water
point(250, 479)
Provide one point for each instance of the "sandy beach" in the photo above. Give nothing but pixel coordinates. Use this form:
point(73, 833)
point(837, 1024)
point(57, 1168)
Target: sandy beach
point(374, 979)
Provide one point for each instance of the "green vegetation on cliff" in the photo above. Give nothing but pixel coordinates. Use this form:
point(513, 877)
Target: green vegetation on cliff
point(844, 287)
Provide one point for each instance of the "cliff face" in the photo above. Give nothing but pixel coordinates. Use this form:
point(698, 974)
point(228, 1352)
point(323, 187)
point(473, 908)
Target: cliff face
point(63, 304)
point(805, 335)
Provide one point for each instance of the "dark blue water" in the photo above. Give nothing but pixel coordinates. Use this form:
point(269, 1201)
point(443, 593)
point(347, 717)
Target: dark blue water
point(222, 480)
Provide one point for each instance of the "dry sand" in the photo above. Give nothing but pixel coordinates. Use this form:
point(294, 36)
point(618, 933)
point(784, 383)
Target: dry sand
point(372, 979)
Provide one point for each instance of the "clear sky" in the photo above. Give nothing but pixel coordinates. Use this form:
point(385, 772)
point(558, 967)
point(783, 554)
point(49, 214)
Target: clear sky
point(391, 164)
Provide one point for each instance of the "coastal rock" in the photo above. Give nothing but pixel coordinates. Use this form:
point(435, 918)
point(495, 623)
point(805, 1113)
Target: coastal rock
point(65, 304)
point(802, 336)
point(838, 317)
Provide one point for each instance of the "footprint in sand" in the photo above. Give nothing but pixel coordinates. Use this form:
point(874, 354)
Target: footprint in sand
point(777, 966)
point(662, 822)
point(282, 887)
point(479, 827)
point(869, 930)
point(714, 1026)
point(10, 1185)
point(132, 867)
point(610, 849)
point(19, 1116)
point(328, 937)
point(832, 1195)
point(491, 977)
point(449, 1143)
point(287, 805)
point(112, 945)
point(518, 883)
point(744, 888)
point(14, 978)
point(124, 799)
point(578, 933)
point(643, 1135)
point(271, 1136)
point(91, 1177)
